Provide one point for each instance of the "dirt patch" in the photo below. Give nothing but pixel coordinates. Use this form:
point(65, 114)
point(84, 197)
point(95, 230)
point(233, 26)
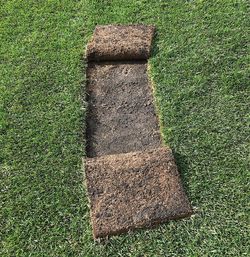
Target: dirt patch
point(118, 42)
point(134, 190)
point(121, 115)
point(132, 180)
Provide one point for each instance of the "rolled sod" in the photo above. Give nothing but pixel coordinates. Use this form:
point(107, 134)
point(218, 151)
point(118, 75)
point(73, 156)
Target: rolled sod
point(134, 190)
point(118, 42)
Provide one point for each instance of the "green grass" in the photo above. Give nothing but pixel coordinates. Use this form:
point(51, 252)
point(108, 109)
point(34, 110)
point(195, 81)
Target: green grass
point(200, 67)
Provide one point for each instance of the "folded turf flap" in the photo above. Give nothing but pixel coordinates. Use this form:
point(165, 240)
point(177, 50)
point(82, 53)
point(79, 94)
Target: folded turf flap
point(134, 190)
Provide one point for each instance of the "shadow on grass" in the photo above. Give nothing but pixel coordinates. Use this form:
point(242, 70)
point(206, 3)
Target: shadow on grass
point(183, 168)
point(155, 46)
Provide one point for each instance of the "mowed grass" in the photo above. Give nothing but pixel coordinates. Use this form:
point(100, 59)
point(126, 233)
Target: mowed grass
point(200, 68)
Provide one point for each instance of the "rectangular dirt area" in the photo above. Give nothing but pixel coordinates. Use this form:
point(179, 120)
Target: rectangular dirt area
point(121, 114)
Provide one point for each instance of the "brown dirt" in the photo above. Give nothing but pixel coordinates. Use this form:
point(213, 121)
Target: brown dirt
point(119, 42)
point(121, 115)
point(134, 190)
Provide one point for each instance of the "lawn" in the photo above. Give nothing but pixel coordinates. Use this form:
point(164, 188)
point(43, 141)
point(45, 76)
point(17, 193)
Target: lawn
point(200, 69)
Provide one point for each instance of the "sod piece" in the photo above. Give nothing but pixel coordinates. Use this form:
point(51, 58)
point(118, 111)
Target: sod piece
point(121, 116)
point(134, 190)
point(119, 42)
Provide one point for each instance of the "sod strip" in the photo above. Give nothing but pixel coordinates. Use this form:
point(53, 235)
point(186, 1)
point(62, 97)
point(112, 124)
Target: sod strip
point(134, 190)
point(118, 42)
point(132, 180)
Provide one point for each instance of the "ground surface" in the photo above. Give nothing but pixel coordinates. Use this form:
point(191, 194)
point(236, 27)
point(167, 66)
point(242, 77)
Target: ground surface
point(121, 113)
point(200, 71)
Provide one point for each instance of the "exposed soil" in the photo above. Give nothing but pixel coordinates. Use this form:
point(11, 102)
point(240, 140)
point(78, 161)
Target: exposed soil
point(121, 114)
point(134, 190)
point(119, 42)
